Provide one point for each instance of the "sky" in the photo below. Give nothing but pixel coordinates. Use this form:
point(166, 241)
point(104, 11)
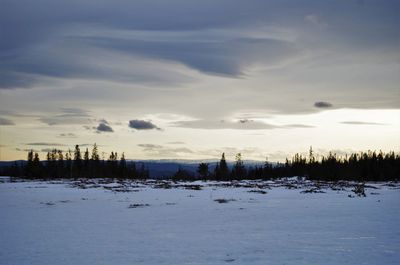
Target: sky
point(184, 79)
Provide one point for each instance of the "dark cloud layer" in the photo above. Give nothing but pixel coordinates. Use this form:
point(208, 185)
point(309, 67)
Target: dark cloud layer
point(142, 125)
point(48, 38)
point(215, 56)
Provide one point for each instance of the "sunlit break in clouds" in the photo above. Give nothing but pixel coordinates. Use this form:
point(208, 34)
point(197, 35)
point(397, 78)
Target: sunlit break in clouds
point(192, 79)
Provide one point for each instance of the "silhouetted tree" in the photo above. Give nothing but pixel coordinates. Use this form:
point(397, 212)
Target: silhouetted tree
point(68, 165)
point(203, 170)
point(60, 165)
point(223, 172)
point(238, 170)
point(182, 174)
point(29, 165)
point(86, 161)
point(36, 167)
point(94, 162)
point(122, 172)
point(77, 164)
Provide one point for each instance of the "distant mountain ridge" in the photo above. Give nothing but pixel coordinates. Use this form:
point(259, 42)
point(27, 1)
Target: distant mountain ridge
point(159, 168)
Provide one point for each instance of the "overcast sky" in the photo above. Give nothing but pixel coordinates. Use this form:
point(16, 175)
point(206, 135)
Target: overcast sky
point(192, 79)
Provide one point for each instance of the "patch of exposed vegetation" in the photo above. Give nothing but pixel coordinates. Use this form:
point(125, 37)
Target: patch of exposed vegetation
point(359, 190)
point(258, 191)
point(313, 190)
point(224, 200)
point(138, 205)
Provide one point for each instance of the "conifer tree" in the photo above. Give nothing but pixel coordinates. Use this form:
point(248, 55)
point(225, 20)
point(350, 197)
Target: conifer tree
point(203, 170)
point(94, 162)
point(60, 164)
point(95, 153)
point(86, 164)
point(239, 170)
point(36, 167)
point(122, 172)
point(223, 168)
point(29, 165)
point(77, 165)
point(217, 172)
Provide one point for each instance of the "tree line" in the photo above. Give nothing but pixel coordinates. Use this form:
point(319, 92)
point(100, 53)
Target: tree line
point(77, 165)
point(363, 166)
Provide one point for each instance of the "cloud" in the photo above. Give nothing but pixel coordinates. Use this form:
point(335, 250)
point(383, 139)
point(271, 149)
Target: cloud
point(322, 104)
point(267, 55)
point(75, 112)
point(242, 124)
point(104, 127)
point(45, 144)
point(4, 121)
point(72, 40)
point(150, 146)
point(315, 19)
point(67, 135)
point(68, 116)
point(142, 125)
point(103, 121)
point(210, 54)
point(296, 126)
point(177, 142)
point(26, 150)
point(361, 123)
point(164, 151)
point(46, 150)
point(11, 113)
point(222, 124)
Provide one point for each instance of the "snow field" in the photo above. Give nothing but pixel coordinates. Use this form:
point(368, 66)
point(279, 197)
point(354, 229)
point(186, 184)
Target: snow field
point(59, 223)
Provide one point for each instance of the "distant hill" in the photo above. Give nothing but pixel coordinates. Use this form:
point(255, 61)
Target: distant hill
point(167, 167)
point(10, 163)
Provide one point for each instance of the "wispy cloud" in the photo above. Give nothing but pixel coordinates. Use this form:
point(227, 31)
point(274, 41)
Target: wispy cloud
point(316, 20)
point(223, 124)
point(4, 121)
point(68, 116)
point(150, 146)
point(67, 135)
point(45, 144)
point(296, 126)
point(362, 123)
point(177, 142)
point(46, 150)
point(165, 151)
point(242, 124)
point(26, 150)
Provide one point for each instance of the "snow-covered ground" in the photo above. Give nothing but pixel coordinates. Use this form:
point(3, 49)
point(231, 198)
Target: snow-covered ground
point(154, 222)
